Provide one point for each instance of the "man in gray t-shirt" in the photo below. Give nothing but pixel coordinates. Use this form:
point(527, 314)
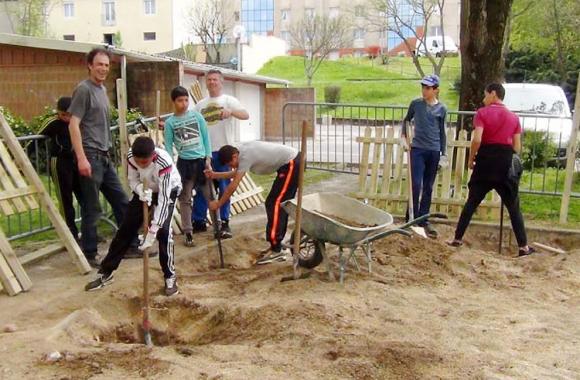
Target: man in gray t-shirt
point(91, 140)
point(262, 157)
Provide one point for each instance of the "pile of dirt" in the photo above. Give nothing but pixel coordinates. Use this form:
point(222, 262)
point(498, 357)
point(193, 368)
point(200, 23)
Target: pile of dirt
point(425, 311)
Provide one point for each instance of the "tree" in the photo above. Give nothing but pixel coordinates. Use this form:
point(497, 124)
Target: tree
point(211, 21)
point(483, 25)
point(402, 17)
point(551, 28)
point(318, 36)
point(29, 17)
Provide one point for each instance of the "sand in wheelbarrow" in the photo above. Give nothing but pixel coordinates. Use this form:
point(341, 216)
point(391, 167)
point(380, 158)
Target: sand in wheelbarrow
point(347, 222)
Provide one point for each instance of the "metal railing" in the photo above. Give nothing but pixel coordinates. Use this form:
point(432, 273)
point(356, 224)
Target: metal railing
point(332, 142)
point(34, 221)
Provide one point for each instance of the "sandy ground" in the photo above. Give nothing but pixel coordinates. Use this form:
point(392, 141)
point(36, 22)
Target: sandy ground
point(427, 311)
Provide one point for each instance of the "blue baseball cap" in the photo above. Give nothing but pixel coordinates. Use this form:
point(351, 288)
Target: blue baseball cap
point(430, 80)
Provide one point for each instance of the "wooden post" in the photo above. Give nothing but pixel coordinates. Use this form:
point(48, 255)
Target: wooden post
point(123, 136)
point(571, 159)
point(298, 218)
point(53, 213)
point(157, 118)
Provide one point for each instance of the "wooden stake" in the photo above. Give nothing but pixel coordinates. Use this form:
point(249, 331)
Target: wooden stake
point(571, 158)
point(548, 248)
point(298, 218)
point(123, 135)
point(157, 117)
point(146, 323)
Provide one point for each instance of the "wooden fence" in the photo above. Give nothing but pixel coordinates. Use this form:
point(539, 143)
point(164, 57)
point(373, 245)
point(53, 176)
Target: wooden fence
point(383, 175)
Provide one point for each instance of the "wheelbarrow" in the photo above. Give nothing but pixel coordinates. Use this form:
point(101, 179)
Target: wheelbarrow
point(343, 221)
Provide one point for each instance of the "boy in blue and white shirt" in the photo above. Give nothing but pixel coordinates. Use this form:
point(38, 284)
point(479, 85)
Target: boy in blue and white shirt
point(153, 179)
point(428, 146)
point(187, 131)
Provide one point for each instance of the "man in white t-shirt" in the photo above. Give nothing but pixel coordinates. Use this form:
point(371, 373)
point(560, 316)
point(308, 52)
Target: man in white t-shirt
point(260, 157)
point(218, 111)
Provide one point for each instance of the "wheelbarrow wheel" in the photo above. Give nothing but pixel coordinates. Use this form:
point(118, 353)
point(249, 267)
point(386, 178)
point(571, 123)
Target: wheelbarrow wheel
point(311, 251)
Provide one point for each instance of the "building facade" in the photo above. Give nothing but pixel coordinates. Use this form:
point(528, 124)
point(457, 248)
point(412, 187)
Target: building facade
point(149, 26)
point(276, 17)
point(155, 26)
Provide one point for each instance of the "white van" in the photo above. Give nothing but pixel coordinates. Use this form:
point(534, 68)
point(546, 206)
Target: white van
point(541, 107)
point(435, 46)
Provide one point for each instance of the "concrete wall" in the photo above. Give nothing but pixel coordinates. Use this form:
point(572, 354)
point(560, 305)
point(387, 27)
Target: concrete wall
point(260, 50)
point(143, 81)
point(275, 100)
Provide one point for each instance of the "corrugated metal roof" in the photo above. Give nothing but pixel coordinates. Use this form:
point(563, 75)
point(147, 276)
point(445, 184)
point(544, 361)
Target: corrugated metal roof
point(85, 47)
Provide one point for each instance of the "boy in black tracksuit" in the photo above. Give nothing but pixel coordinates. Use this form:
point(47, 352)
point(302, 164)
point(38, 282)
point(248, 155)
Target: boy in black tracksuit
point(62, 164)
point(163, 184)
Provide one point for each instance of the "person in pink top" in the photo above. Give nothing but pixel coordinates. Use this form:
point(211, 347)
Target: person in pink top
point(495, 139)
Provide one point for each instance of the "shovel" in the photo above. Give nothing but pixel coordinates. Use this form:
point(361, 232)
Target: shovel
point(418, 230)
point(217, 223)
point(146, 322)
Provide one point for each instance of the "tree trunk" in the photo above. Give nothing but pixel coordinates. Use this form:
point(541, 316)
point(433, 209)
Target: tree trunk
point(560, 59)
point(483, 24)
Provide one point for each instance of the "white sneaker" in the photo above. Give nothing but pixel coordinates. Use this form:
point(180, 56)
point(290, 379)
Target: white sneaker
point(171, 286)
point(275, 257)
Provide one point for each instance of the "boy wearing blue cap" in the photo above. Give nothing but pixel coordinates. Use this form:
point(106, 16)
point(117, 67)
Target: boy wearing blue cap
point(428, 146)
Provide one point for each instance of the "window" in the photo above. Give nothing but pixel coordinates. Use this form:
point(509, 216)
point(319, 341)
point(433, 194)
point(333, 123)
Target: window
point(109, 12)
point(285, 16)
point(149, 7)
point(285, 35)
point(309, 12)
point(69, 9)
point(108, 38)
point(333, 12)
point(258, 16)
point(149, 36)
point(68, 37)
point(359, 11)
point(358, 34)
point(435, 31)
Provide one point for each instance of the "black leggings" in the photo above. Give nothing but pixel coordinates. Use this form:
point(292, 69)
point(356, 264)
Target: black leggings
point(509, 195)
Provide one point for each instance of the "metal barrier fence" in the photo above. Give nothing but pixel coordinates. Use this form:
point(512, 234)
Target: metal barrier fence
point(21, 225)
point(332, 144)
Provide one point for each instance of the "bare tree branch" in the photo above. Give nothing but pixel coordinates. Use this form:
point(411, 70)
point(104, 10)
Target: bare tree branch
point(318, 36)
point(211, 21)
point(389, 15)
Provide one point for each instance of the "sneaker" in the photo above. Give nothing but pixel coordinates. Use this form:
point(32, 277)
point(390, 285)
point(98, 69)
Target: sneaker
point(189, 240)
point(274, 256)
point(430, 231)
point(525, 252)
point(136, 253)
point(171, 286)
point(103, 280)
point(199, 227)
point(225, 232)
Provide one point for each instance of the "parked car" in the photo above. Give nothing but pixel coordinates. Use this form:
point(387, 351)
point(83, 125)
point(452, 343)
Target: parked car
point(435, 46)
point(542, 108)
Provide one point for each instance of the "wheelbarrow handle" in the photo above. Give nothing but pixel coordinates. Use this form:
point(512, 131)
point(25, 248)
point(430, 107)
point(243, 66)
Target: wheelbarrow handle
point(422, 218)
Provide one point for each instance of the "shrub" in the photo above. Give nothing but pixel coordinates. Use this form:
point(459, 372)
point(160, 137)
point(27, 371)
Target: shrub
point(537, 149)
point(457, 84)
point(19, 126)
point(332, 94)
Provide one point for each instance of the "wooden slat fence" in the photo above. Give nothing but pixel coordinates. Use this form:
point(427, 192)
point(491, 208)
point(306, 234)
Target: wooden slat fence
point(383, 175)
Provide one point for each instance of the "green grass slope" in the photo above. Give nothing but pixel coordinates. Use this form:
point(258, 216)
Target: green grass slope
point(365, 82)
